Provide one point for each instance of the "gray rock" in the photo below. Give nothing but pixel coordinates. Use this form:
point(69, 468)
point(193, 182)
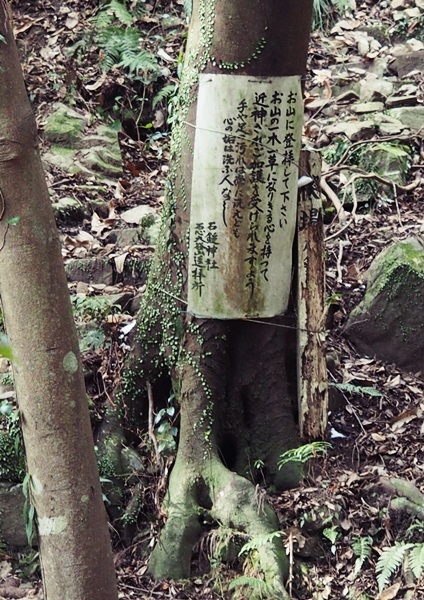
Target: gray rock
point(386, 128)
point(124, 237)
point(138, 213)
point(70, 210)
point(367, 107)
point(12, 523)
point(354, 130)
point(90, 270)
point(411, 116)
point(389, 322)
point(136, 270)
point(375, 89)
point(413, 61)
point(346, 97)
point(396, 101)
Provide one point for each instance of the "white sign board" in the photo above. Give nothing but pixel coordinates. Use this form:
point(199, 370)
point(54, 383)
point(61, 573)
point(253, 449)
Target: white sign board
point(244, 195)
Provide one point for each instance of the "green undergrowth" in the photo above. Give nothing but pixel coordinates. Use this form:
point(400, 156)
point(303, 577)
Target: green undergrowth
point(12, 457)
point(325, 12)
point(124, 44)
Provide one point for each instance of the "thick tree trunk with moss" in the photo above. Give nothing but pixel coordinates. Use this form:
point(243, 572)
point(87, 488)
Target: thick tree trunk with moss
point(64, 487)
point(234, 379)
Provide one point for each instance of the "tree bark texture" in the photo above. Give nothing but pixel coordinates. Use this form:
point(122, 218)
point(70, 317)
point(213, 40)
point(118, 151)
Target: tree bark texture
point(235, 380)
point(312, 367)
point(75, 549)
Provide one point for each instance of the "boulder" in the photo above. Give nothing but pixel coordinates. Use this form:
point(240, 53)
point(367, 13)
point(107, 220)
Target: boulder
point(12, 523)
point(70, 210)
point(64, 126)
point(411, 116)
point(134, 216)
point(373, 89)
point(389, 322)
point(354, 130)
point(413, 61)
point(90, 270)
point(78, 148)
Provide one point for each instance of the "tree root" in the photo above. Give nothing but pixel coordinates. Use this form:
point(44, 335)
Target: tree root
point(229, 500)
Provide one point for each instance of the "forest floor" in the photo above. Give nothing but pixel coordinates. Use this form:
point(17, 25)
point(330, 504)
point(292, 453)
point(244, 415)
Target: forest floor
point(339, 520)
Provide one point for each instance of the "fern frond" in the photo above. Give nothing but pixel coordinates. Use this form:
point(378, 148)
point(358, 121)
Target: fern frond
point(389, 562)
point(416, 560)
point(119, 10)
point(141, 60)
point(164, 93)
point(102, 20)
point(260, 587)
point(362, 548)
point(259, 540)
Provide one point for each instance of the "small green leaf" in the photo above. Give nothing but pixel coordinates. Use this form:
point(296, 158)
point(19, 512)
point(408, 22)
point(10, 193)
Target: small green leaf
point(13, 221)
point(2, 39)
point(331, 533)
point(5, 348)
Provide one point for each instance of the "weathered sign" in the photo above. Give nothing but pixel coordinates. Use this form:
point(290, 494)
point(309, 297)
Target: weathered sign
point(244, 195)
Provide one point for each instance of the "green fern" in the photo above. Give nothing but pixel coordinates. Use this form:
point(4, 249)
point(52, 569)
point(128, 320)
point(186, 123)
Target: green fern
point(119, 10)
point(259, 540)
point(304, 453)
point(416, 560)
point(389, 561)
point(121, 43)
point(362, 549)
point(164, 93)
point(258, 585)
point(122, 48)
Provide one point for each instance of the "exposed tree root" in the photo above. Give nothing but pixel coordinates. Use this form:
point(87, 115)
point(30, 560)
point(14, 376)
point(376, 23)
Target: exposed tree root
point(215, 493)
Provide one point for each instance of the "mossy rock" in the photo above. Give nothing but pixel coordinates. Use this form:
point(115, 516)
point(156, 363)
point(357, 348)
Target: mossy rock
point(90, 270)
point(102, 160)
point(64, 126)
point(136, 270)
point(77, 148)
point(70, 210)
point(389, 322)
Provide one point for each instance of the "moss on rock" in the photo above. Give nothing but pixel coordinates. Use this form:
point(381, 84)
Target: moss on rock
point(389, 323)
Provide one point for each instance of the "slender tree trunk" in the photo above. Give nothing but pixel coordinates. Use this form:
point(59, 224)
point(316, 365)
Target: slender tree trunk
point(231, 377)
point(75, 549)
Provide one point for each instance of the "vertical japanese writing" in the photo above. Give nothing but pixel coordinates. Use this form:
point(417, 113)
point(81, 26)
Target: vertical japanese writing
point(256, 172)
point(204, 254)
point(250, 143)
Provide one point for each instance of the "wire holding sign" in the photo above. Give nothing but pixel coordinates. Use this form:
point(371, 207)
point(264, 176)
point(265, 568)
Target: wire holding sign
point(244, 195)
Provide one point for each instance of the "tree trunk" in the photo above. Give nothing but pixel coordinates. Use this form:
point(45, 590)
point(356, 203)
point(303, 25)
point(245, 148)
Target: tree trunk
point(235, 380)
point(75, 549)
